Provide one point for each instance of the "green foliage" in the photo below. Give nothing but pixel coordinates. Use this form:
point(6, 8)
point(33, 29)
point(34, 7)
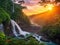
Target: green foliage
point(52, 30)
point(2, 35)
point(17, 15)
point(42, 44)
point(6, 5)
point(4, 16)
point(14, 41)
point(32, 41)
point(2, 38)
point(6, 12)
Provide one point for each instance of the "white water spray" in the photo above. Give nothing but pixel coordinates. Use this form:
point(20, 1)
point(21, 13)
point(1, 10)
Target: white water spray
point(14, 24)
point(21, 32)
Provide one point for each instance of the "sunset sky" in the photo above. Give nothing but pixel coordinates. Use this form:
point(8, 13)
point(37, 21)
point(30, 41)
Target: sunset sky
point(34, 10)
point(33, 7)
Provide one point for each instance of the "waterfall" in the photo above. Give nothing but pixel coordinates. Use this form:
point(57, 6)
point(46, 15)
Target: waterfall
point(13, 28)
point(1, 27)
point(21, 32)
point(37, 37)
point(13, 6)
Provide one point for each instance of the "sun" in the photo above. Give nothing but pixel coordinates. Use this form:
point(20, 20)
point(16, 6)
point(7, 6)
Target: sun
point(49, 6)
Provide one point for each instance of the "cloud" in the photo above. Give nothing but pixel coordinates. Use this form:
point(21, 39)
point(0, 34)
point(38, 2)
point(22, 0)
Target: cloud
point(31, 1)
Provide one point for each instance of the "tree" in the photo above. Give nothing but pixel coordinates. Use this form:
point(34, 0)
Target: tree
point(17, 15)
point(57, 0)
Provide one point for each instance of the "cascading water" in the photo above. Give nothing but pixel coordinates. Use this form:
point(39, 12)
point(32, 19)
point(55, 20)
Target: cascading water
point(21, 32)
point(1, 27)
point(13, 6)
point(14, 24)
point(13, 28)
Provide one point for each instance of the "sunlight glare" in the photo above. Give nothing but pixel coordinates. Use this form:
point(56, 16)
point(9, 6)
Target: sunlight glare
point(49, 6)
point(37, 9)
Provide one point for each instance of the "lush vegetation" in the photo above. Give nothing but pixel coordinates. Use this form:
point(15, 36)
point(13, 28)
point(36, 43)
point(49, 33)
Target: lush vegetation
point(4, 40)
point(17, 14)
point(52, 30)
point(7, 13)
point(4, 16)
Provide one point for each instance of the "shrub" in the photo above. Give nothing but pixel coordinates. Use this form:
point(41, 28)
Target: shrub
point(4, 40)
point(32, 41)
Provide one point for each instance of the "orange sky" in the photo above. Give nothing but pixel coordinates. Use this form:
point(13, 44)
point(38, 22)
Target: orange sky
point(33, 10)
point(36, 9)
point(33, 7)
